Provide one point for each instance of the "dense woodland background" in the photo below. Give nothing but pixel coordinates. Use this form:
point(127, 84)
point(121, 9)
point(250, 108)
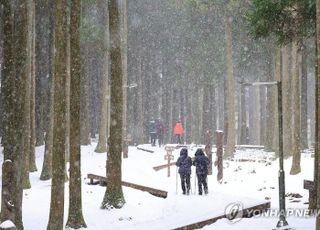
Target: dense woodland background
point(136, 60)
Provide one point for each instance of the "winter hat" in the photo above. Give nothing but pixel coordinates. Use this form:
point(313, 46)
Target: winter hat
point(184, 151)
point(199, 152)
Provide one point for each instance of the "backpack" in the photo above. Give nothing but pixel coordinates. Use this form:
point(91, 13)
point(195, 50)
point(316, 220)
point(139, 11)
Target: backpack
point(202, 166)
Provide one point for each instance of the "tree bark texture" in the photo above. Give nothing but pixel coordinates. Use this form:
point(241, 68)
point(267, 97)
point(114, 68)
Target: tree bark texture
point(104, 92)
point(317, 111)
point(113, 197)
point(304, 97)
point(75, 216)
point(295, 168)
point(32, 159)
point(59, 118)
point(231, 136)
point(287, 137)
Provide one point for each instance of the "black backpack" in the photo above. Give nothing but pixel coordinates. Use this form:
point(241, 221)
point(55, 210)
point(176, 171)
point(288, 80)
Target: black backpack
point(203, 168)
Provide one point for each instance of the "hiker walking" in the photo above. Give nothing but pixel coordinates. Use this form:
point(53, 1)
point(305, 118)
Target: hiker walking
point(152, 132)
point(160, 131)
point(184, 163)
point(201, 162)
point(178, 132)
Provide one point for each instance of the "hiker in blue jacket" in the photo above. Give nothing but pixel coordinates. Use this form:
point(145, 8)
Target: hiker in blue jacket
point(184, 163)
point(201, 162)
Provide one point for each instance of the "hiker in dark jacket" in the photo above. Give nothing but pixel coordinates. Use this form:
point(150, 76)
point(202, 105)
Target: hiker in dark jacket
point(184, 163)
point(201, 162)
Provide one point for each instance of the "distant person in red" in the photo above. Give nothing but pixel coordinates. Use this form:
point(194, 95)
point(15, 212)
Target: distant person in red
point(178, 132)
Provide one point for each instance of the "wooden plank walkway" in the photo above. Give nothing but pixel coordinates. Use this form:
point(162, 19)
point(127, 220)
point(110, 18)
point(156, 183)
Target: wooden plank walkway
point(247, 213)
point(152, 191)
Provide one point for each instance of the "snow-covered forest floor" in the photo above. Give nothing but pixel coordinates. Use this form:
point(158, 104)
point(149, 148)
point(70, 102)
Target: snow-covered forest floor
point(249, 182)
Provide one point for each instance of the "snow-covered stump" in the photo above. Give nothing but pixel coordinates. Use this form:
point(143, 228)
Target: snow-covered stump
point(8, 225)
point(219, 154)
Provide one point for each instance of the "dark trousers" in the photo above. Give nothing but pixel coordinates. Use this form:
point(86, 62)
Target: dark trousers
point(153, 137)
point(178, 139)
point(185, 182)
point(160, 140)
point(202, 181)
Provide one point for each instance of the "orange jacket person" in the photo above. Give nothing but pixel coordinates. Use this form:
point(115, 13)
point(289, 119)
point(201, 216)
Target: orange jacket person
point(178, 131)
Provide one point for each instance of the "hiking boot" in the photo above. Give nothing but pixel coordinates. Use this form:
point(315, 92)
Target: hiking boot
point(188, 192)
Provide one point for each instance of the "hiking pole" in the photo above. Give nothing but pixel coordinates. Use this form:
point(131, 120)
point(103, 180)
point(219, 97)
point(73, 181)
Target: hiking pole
point(195, 184)
point(190, 185)
point(176, 180)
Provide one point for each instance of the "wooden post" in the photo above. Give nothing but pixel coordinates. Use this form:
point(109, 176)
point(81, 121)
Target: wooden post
point(169, 156)
point(208, 149)
point(219, 160)
point(7, 206)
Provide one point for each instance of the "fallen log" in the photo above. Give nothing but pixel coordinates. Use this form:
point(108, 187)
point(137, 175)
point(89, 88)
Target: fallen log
point(152, 191)
point(246, 213)
point(157, 168)
point(249, 147)
point(147, 150)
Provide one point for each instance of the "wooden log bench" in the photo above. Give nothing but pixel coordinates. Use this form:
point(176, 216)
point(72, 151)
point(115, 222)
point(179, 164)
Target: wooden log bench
point(309, 185)
point(103, 180)
point(157, 168)
point(246, 213)
point(146, 150)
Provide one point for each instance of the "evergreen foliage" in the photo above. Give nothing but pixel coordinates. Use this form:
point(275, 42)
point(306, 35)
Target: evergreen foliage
point(286, 20)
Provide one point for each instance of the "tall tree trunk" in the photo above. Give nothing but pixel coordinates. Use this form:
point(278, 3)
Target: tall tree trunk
point(195, 102)
point(113, 197)
point(46, 172)
point(42, 70)
point(206, 113)
point(14, 53)
point(140, 105)
point(59, 123)
point(270, 108)
point(277, 75)
point(243, 115)
point(75, 217)
point(27, 120)
point(213, 112)
point(67, 86)
point(256, 115)
point(221, 100)
point(286, 104)
point(21, 47)
point(124, 50)
point(231, 135)
point(304, 97)
point(189, 117)
point(170, 113)
point(295, 168)
point(104, 92)
point(262, 105)
point(32, 159)
point(317, 111)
